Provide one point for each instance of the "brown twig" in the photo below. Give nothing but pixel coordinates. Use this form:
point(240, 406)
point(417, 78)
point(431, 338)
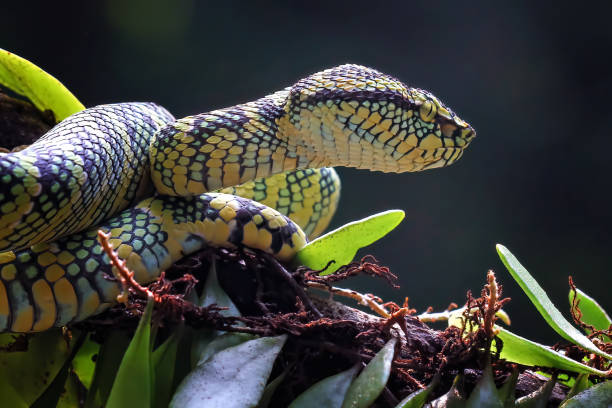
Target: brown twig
point(122, 272)
point(491, 296)
point(299, 290)
point(367, 265)
point(366, 300)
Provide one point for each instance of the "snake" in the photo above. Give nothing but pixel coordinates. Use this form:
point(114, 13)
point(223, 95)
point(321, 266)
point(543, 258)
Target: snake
point(257, 175)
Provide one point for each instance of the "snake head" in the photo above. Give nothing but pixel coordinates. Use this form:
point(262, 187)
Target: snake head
point(374, 121)
point(439, 132)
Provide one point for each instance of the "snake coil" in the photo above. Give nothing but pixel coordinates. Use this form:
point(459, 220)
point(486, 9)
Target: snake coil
point(257, 175)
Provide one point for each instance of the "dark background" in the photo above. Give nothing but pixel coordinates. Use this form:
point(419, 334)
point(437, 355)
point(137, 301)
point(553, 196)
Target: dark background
point(532, 78)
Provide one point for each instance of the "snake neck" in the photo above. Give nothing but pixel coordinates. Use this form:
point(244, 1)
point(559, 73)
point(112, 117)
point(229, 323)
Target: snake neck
point(349, 116)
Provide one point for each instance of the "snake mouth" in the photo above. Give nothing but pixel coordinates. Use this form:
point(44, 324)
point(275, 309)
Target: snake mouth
point(455, 132)
point(456, 135)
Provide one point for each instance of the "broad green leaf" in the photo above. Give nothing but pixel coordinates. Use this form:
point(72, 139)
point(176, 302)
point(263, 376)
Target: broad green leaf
point(372, 380)
point(107, 364)
point(520, 350)
point(540, 299)
point(453, 398)
point(83, 363)
point(73, 393)
point(328, 393)
point(592, 312)
point(417, 399)
point(234, 377)
point(133, 384)
point(212, 293)
point(12, 399)
point(183, 357)
point(539, 398)
point(599, 395)
point(46, 93)
point(51, 395)
point(268, 392)
point(562, 378)
point(200, 339)
point(582, 383)
point(53, 392)
point(342, 244)
point(485, 393)
point(222, 342)
point(24, 375)
point(163, 360)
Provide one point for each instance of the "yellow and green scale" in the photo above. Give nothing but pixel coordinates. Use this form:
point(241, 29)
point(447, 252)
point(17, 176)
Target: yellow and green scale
point(255, 175)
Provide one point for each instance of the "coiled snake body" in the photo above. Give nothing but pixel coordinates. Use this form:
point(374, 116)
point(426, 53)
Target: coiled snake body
point(94, 169)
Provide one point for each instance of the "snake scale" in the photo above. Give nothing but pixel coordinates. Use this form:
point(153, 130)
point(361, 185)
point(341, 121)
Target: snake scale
point(257, 175)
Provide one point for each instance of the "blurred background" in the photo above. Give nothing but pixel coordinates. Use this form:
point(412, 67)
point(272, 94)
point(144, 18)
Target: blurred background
point(532, 78)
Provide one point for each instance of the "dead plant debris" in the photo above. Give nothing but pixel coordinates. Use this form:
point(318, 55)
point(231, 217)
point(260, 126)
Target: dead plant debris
point(274, 302)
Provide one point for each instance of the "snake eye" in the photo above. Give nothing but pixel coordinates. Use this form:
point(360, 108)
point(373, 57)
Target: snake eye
point(428, 110)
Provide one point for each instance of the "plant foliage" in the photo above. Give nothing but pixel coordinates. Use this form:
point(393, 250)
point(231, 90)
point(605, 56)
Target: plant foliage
point(207, 367)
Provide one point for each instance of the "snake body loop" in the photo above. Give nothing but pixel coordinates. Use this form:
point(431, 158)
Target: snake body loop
point(84, 170)
point(90, 171)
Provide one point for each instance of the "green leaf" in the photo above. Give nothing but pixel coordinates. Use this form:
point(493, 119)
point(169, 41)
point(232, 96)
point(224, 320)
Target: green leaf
point(372, 380)
point(234, 377)
point(223, 342)
point(268, 392)
point(485, 393)
point(46, 93)
point(201, 338)
point(52, 394)
point(328, 393)
point(107, 364)
point(83, 363)
point(520, 350)
point(54, 391)
point(542, 302)
point(599, 395)
point(580, 384)
point(182, 365)
point(417, 399)
point(539, 398)
point(73, 393)
point(133, 384)
point(342, 244)
point(12, 399)
point(453, 398)
point(163, 360)
point(592, 312)
point(212, 293)
point(24, 375)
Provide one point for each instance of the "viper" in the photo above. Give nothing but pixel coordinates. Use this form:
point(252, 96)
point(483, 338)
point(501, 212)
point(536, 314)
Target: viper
point(256, 175)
